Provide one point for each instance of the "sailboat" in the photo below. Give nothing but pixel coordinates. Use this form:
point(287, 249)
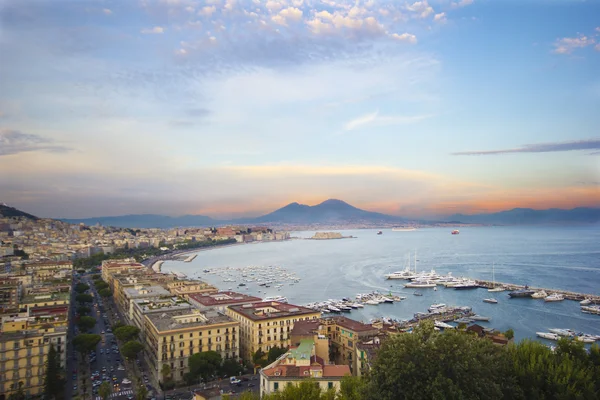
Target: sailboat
point(494, 288)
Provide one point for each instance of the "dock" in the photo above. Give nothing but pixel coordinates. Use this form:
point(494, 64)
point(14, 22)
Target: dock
point(568, 295)
point(190, 258)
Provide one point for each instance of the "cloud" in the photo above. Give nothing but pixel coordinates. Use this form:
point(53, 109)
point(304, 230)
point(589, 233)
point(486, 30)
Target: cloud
point(568, 45)
point(405, 37)
point(155, 30)
point(586, 144)
point(422, 9)
point(198, 112)
point(375, 119)
point(462, 3)
point(207, 11)
point(14, 142)
point(441, 17)
point(107, 11)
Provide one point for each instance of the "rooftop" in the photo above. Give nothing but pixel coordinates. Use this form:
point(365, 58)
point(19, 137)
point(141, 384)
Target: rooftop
point(148, 305)
point(223, 298)
point(305, 328)
point(45, 297)
point(190, 318)
point(303, 351)
point(351, 324)
point(270, 309)
point(145, 291)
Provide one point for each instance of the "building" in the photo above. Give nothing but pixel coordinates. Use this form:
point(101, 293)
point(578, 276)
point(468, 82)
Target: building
point(113, 267)
point(144, 306)
point(344, 333)
point(221, 300)
point(298, 364)
point(139, 292)
point(187, 288)
point(23, 354)
point(10, 291)
point(267, 324)
point(172, 336)
point(49, 270)
point(365, 355)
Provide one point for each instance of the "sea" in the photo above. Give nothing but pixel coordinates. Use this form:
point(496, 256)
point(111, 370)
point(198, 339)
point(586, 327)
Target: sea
point(556, 257)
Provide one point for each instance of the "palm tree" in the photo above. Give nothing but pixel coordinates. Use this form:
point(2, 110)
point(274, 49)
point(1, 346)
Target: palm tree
point(105, 390)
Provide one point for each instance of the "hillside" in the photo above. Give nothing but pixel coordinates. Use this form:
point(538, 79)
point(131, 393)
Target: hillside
point(11, 212)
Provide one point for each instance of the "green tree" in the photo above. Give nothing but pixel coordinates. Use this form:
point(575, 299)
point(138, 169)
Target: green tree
point(126, 333)
point(131, 349)
point(260, 358)
point(86, 323)
point(105, 390)
point(432, 365)
point(352, 388)
point(117, 325)
point(165, 371)
point(81, 287)
point(190, 378)
point(85, 343)
point(105, 292)
point(509, 334)
point(204, 364)
point(19, 394)
point(275, 352)
point(231, 367)
point(141, 392)
point(100, 285)
point(83, 310)
point(53, 382)
point(84, 298)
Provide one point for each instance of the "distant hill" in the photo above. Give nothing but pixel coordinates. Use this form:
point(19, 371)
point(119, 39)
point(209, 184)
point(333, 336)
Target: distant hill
point(329, 211)
point(147, 221)
point(528, 216)
point(7, 211)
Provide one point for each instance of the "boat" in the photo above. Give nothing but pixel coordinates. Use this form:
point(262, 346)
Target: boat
point(333, 308)
point(418, 294)
point(547, 335)
point(242, 284)
point(563, 332)
point(494, 288)
point(409, 229)
point(491, 301)
point(586, 302)
point(466, 285)
point(280, 299)
point(464, 320)
point(555, 297)
point(400, 274)
point(585, 339)
point(591, 309)
point(540, 295)
point(522, 293)
point(372, 302)
point(455, 232)
point(421, 284)
point(436, 307)
point(380, 233)
point(477, 317)
point(442, 325)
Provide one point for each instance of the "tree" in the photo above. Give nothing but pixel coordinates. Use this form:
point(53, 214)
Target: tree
point(105, 390)
point(85, 343)
point(83, 310)
point(275, 352)
point(231, 367)
point(131, 349)
point(433, 365)
point(352, 388)
point(306, 390)
point(81, 287)
point(117, 325)
point(105, 292)
point(19, 394)
point(53, 383)
point(509, 334)
point(204, 364)
point(126, 333)
point(100, 284)
point(86, 323)
point(165, 371)
point(141, 393)
point(260, 358)
point(84, 298)
point(189, 378)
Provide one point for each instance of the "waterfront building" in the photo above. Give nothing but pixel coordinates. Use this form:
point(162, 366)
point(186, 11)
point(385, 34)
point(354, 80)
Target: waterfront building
point(172, 336)
point(142, 307)
point(221, 300)
point(298, 364)
point(267, 324)
point(186, 288)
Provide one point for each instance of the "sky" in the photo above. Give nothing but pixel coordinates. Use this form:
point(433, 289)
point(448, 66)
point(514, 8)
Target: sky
point(234, 108)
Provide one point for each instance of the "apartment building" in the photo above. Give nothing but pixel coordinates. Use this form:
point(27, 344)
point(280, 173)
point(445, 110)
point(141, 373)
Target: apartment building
point(221, 300)
point(298, 364)
point(110, 268)
point(141, 307)
point(172, 336)
point(129, 294)
point(10, 291)
point(23, 353)
point(344, 333)
point(186, 288)
point(267, 324)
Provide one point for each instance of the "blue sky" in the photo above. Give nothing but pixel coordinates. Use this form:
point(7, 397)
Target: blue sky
point(232, 108)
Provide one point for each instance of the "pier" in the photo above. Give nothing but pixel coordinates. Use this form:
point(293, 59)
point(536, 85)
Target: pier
point(568, 295)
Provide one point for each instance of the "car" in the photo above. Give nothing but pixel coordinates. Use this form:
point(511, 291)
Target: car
point(130, 397)
point(126, 381)
point(74, 377)
point(74, 387)
point(103, 332)
point(251, 384)
point(101, 351)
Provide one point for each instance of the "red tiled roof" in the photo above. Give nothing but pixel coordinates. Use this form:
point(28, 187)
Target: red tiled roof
point(304, 328)
point(353, 325)
point(336, 370)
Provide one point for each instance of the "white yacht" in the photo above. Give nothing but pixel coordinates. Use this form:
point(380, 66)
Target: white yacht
point(540, 295)
point(421, 284)
point(585, 302)
point(372, 302)
point(280, 299)
point(436, 307)
point(555, 297)
point(563, 332)
point(480, 318)
point(547, 335)
point(491, 301)
point(442, 325)
point(400, 274)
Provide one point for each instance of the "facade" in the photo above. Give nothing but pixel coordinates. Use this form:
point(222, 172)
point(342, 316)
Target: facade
point(267, 324)
point(344, 333)
point(139, 292)
point(23, 353)
point(142, 307)
point(298, 364)
point(10, 290)
point(187, 288)
point(221, 300)
point(172, 336)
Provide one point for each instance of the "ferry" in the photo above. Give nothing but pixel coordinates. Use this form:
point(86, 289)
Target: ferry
point(408, 229)
point(455, 232)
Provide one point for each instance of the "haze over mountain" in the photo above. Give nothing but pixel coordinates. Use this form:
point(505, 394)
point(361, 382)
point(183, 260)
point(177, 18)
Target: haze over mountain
point(338, 212)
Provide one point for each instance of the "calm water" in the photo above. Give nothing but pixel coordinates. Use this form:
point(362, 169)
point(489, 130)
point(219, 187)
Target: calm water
point(551, 257)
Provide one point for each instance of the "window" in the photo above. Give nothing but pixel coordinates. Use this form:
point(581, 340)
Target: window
point(181, 364)
point(276, 386)
point(329, 385)
point(191, 335)
point(180, 336)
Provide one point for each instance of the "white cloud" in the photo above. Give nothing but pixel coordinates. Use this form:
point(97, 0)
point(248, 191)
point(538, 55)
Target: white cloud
point(597, 47)
point(568, 45)
point(207, 11)
point(598, 29)
point(462, 3)
point(375, 119)
point(319, 27)
point(107, 11)
point(421, 8)
point(405, 37)
point(441, 17)
point(155, 30)
point(292, 13)
point(273, 6)
point(229, 5)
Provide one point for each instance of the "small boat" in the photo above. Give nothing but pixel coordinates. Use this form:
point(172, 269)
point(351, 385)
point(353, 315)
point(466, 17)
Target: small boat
point(242, 284)
point(563, 332)
point(585, 302)
point(357, 305)
point(455, 232)
point(333, 308)
point(480, 318)
point(372, 302)
point(555, 297)
point(421, 284)
point(540, 295)
point(466, 285)
point(464, 320)
point(380, 233)
point(494, 287)
point(418, 294)
point(442, 325)
point(586, 339)
point(547, 335)
point(491, 301)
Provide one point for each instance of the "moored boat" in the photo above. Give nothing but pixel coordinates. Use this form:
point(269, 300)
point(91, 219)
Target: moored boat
point(491, 301)
point(466, 285)
point(455, 232)
point(555, 297)
point(540, 295)
point(522, 293)
point(547, 335)
point(480, 318)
